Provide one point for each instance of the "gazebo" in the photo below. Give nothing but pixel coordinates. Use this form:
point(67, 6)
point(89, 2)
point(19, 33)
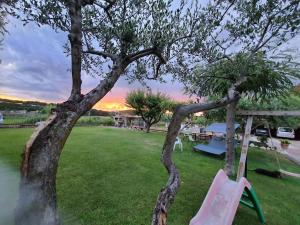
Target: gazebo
point(127, 120)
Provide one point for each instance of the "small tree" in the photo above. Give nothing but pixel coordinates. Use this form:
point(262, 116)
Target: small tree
point(151, 107)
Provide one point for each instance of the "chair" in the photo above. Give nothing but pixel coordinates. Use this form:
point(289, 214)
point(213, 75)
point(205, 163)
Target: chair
point(191, 138)
point(178, 142)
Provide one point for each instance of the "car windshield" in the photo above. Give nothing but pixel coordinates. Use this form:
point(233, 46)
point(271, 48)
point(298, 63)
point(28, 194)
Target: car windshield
point(261, 130)
point(285, 129)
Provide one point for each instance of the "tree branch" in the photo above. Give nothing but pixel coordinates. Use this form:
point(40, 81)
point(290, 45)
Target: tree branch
point(96, 94)
point(101, 53)
point(146, 52)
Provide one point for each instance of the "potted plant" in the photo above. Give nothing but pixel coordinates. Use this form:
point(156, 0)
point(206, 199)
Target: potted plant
point(285, 144)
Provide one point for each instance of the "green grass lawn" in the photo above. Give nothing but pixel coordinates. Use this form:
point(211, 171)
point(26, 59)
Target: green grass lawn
point(112, 176)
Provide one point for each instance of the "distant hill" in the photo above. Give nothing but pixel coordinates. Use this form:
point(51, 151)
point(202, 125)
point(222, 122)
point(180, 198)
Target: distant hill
point(127, 112)
point(97, 112)
point(13, 105)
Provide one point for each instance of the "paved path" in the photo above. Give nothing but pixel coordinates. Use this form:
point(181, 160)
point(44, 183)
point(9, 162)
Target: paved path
point(293, 152)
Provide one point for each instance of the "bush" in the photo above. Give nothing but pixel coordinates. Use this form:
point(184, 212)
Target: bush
point(263, 139)
point(35, 119)
point(95, 121)
point(201, 120)
point(23, 119)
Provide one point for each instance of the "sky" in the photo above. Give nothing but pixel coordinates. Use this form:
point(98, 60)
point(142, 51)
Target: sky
point(34, 67)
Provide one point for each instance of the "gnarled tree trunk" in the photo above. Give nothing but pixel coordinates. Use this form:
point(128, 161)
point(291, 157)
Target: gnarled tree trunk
point(167, 194)
point(37, 196)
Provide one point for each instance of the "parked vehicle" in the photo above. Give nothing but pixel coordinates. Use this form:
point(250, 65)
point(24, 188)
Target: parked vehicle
point(261, 132)
point(285, 132)
point(1, 118)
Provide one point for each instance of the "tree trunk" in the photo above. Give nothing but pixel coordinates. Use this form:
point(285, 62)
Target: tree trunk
point(167, 194)
point(148, 127)
point(37, 195)
point(230, 131)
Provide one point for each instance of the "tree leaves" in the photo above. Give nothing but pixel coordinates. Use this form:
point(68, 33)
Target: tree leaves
point(148, 105)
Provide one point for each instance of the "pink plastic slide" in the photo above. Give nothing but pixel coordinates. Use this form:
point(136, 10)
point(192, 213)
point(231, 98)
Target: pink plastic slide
point(221, 201)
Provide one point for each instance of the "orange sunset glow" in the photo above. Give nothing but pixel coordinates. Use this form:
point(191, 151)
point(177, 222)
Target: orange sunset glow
point(111, 106)
point(9, 97)
point(106, 104)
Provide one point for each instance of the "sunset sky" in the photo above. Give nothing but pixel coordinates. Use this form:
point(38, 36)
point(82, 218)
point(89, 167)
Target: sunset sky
point(34, 67)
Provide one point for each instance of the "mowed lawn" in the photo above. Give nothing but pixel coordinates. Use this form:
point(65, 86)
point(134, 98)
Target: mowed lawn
point(112, 176)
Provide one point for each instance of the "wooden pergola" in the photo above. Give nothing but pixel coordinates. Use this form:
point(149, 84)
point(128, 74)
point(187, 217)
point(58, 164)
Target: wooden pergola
point(250, 114)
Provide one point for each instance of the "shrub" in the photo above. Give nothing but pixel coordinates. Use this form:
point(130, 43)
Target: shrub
point(95, 121)
point(263, 139)
point(23, 119)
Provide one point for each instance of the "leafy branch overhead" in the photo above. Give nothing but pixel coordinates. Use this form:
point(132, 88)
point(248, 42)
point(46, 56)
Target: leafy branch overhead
point(265, 78)
point(241, 33)
point(144, 32)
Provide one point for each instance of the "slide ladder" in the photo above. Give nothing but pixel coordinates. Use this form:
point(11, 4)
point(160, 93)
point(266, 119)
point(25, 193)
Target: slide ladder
point(222, 200)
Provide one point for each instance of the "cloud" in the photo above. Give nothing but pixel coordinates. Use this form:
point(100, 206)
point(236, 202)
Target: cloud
point(35, 67)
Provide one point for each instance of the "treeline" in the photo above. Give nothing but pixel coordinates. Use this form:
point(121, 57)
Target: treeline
point(42, 107)
point(13, 105)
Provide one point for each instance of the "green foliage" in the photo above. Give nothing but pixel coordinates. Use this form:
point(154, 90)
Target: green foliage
point(239, 39)
point(95, 121)
point(26, 119)
point(263, 139)
point(47, 109)
point(201, 120)
point(265, 78)
point(13, 105)
point(151, 107)
point(285, 142)
point(289, 102)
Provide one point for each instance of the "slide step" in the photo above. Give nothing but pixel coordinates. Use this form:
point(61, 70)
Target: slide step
point(248, 204)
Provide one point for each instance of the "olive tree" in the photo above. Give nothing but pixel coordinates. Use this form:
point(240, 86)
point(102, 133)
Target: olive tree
point(247, 32)
point(150, 106)
point(231, 27)
point(109, 39)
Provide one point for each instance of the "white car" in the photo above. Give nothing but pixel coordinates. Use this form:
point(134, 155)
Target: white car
point(285, 132)
point(1, 118)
